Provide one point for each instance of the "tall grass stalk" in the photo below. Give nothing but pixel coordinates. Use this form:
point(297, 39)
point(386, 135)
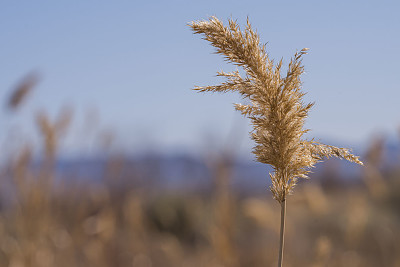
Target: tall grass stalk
point(276, 108)
point(282, 232)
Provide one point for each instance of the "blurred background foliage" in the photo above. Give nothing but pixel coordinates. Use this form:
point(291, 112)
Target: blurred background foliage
point(123, 210)
point(107, 158)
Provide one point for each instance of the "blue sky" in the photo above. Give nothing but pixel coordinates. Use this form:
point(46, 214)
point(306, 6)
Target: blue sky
point(134, 63)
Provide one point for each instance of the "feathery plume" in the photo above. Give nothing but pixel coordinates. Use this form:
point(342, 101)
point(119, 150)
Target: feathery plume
point(276, 108)
point(21, 91)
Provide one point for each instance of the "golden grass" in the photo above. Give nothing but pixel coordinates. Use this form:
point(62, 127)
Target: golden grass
point(119, 223)
point(277, 110)
point(122, 221)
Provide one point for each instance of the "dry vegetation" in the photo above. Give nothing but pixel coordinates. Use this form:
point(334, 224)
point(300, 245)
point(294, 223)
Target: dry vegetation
point(121, 220)
point(277, 110)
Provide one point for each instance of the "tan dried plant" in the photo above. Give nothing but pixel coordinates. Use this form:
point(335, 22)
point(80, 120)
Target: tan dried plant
point(276, 108)
point(21, 91)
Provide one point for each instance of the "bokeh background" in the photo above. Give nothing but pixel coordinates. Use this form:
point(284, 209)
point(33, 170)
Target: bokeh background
point(108, 158)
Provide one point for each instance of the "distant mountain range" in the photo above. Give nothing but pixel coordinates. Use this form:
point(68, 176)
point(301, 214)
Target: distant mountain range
point(180, 171)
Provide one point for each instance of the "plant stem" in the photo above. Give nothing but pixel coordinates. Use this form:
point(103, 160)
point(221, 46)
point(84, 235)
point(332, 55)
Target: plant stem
point(282, 235)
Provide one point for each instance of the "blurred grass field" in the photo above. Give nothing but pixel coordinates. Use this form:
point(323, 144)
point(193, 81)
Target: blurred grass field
point(121, 220)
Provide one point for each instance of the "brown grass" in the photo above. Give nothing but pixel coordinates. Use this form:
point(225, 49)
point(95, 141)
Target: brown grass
point(22, 89)
point(118, 222)
point(122, 219)
point(277, 110)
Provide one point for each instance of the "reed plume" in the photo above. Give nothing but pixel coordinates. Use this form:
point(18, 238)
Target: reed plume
point(276, 110)
point(21, 91)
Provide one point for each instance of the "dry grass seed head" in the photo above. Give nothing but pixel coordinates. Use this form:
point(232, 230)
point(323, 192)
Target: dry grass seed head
point(22, 90)
point(277, 110)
